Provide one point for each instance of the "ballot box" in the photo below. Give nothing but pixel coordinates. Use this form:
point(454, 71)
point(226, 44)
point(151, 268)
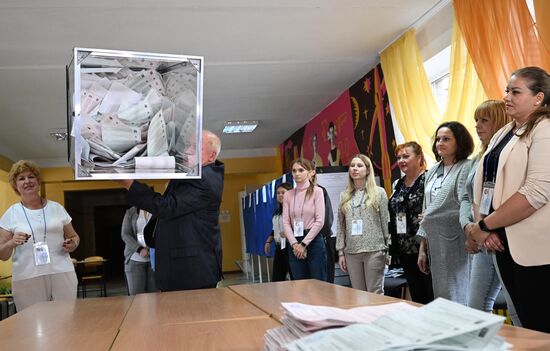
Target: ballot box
point(134, 115)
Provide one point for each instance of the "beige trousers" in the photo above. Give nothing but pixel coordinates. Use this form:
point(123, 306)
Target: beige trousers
point(51, 287)
point(366, 271)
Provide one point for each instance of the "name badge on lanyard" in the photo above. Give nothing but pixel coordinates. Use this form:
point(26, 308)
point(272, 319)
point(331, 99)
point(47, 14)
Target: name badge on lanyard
point(357, 227)
point(298, 228)
point(486, 198)
point(41, 253)
point(401, 223)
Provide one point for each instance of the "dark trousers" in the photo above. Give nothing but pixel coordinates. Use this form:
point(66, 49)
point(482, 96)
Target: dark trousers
point(420, 284)
point(280, 264)
point(528, 288)
point(314, 266)
point(330, 244)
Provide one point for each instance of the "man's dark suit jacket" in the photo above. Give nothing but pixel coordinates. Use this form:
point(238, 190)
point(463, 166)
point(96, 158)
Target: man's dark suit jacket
point(188, 247)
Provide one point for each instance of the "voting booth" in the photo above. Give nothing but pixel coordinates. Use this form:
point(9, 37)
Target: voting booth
point(134, 115)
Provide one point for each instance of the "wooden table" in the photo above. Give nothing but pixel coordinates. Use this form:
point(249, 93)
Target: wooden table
point(179, 307)
point(268, 296)
point(525, 339)
point(233, 318)
point(239, 334)
point(90, 324)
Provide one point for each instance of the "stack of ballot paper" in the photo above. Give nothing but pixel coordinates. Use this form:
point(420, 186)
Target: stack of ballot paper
point(129, 114)
point(440, 325)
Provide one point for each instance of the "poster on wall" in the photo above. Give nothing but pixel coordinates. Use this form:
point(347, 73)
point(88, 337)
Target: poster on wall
point(291, 149)
point(372, 124)
point(328, 138)
point(358, 121)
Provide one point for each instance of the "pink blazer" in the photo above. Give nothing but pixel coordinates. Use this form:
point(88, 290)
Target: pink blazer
point(524, 166)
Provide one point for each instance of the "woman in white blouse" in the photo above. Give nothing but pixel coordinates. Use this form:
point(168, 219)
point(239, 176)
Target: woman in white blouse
point(38, 236)
point(362, 236)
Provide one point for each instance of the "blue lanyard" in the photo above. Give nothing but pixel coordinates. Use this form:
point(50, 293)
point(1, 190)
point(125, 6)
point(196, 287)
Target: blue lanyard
point(29, 222)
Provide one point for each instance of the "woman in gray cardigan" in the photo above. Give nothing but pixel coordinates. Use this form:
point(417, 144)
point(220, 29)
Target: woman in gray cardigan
point(137, 266)
point(442, 238)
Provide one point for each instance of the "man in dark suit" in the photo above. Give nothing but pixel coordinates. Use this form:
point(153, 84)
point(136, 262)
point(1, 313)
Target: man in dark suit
point(188, 248)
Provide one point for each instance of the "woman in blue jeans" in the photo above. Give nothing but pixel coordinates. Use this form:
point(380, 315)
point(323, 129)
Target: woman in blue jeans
point(485, 284)
point(303, 218)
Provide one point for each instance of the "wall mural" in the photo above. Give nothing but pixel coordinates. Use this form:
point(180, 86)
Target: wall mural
point(358, 121)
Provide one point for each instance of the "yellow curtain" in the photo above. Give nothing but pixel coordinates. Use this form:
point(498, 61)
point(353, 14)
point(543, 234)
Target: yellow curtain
point(501, 38)
point(411, 96)
point(409, 91)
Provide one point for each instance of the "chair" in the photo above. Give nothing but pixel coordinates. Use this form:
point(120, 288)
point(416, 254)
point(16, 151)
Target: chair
point(395, 287)
point(6, 301)
point(93, 271)
point(7, 304)
point(500, 307)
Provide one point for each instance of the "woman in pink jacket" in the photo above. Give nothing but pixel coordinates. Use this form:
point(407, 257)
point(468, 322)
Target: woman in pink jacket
point(303, 218)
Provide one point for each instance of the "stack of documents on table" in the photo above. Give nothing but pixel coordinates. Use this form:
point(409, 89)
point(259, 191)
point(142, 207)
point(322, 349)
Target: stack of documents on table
point(440, 325)
point(300, 320)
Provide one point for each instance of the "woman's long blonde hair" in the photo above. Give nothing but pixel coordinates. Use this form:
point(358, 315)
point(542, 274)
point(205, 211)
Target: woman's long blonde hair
point(372, 198)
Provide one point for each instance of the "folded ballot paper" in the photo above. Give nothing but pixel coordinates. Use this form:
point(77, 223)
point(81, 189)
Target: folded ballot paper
point(439, 325)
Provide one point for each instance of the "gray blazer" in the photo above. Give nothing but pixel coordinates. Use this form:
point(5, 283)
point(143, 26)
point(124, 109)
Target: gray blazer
point(129, 233)
point(445, 206)
point(447, 253)
point(467, 198)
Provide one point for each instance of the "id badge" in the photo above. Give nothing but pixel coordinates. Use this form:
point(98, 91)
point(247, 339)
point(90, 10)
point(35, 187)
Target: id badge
point(357, 227)
point(141, 240)
point(298, 228)
point(41, 253)
point(283, 244)
point(401, 223)
point(486, 198)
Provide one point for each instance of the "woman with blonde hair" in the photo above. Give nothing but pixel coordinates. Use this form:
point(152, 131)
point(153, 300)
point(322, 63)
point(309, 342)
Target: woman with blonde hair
point(362, 236)
point(485, 284)
point(38, 235)
point(303, 218)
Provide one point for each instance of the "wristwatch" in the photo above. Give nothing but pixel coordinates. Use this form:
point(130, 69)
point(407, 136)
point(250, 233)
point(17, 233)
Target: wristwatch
point(303, 244)
point(483, 226)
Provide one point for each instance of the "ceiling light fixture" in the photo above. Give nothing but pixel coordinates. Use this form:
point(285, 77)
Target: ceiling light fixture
point(233, 127)
point(59, 134)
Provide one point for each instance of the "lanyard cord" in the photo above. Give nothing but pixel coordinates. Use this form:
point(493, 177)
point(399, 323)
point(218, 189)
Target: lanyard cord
point(29, 222)
point(396, 201)
point(354, 206)
point(442, 181)
point(303, 204)
point(493, 154)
